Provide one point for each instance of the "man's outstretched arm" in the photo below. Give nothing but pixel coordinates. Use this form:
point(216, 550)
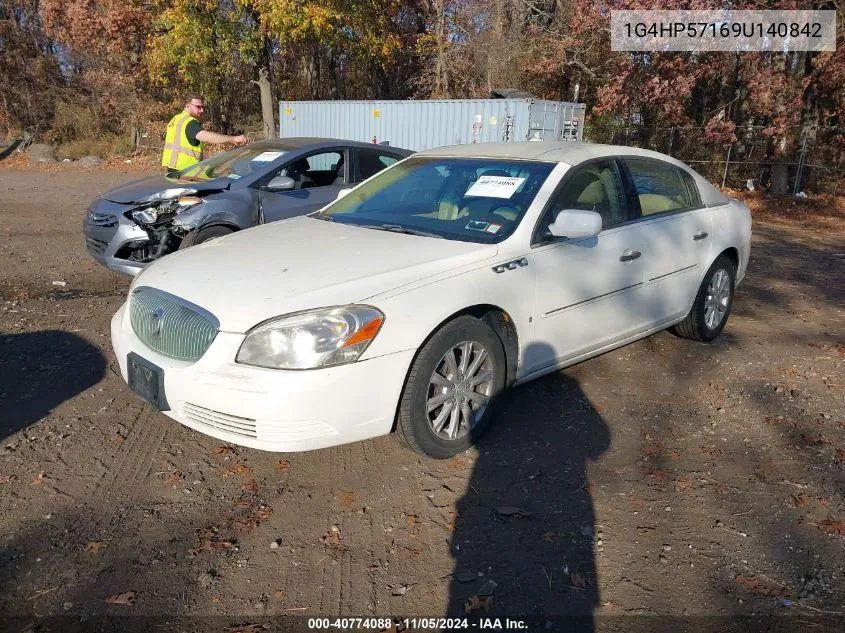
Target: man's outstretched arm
point(213, 137)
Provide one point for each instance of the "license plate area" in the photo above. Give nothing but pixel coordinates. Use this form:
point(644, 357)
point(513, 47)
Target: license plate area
point(146, 381)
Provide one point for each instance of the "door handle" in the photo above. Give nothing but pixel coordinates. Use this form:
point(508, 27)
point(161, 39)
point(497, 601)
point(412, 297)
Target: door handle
point(629, 256)
point(700, 236)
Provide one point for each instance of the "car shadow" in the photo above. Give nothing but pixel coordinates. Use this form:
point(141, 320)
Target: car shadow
point(524, 539)
point(39, 371)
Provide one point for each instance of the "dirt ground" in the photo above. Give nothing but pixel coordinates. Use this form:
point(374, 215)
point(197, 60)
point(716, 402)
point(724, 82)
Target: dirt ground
point(666, 478)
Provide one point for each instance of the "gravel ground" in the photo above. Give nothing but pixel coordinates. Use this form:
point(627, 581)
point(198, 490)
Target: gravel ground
point(666, 478)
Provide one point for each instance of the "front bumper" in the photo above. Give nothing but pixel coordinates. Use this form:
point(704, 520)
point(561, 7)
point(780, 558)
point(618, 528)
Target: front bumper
point(268, 409)
point(106, 231)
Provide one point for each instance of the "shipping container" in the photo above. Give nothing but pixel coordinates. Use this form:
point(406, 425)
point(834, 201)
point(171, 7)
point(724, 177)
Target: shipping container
point(419, 125)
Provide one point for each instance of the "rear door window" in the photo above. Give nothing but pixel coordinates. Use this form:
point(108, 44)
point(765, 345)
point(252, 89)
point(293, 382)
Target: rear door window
point(371, 162)
point(662, 187)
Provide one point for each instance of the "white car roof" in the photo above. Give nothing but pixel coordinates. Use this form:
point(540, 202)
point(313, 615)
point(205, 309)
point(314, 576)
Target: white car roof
point(572, 154)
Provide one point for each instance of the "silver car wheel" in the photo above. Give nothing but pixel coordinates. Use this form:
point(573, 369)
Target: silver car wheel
point(717, 299)
point(459, 390)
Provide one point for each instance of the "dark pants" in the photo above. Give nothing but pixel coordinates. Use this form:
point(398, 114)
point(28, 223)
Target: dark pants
point(172, 172)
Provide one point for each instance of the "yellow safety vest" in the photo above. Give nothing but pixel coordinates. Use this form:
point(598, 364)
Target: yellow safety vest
point(178, 152)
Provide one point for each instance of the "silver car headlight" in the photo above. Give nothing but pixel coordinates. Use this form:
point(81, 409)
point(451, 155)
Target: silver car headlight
point(312, 339)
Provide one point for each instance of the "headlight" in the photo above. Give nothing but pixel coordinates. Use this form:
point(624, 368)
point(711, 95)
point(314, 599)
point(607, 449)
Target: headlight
point(313, 339)
point(147, 216)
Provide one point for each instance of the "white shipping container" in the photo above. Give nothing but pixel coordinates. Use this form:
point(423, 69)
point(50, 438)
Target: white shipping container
point(419, 125)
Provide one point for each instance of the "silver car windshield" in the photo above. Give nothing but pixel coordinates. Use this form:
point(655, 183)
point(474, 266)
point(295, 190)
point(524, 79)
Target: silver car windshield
point(233, 164)
point(466, 199)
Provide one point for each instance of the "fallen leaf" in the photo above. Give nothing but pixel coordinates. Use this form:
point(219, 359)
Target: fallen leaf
point(347, 499)
point(6, 479)
point(510, 511)
point(800, 500)
point(118, 439)
point(95, 547)
point(279, 595)
point(578, 580)
point(831, 526)
point(127, 597)
point(283, 465)
point(332, 538)
point(840, 455)
point(216, 600)
point(589, 489)
point(710, 450)
point(223, 450)
point(658, 474)
point(549, 537)
point(683, 484)
point(251, 486)
point(636, 502)
point(237, 469)
point(476, 602)
point(174, 477)
point(753, 584)
point(38, 479)
point(410, 552)
point(264, 513)
point(813, 439)
point(456, 464)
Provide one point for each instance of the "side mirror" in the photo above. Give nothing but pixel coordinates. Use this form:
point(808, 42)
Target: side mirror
point(281, 183)
point(575, 223)
point(342, 193)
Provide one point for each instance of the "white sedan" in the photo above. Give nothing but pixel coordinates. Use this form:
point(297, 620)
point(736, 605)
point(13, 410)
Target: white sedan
point(412, 302)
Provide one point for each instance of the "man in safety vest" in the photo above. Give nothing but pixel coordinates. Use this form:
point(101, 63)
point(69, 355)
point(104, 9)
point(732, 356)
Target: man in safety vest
point(184, 138)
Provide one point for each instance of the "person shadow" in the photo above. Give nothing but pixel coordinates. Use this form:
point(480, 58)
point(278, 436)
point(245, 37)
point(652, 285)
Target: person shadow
point(39, 371)
point(524, 537)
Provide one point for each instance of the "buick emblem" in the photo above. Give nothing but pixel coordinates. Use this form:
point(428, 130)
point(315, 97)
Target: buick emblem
point(155, 322)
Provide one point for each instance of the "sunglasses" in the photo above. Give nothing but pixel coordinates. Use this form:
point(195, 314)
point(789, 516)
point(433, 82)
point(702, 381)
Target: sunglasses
point(201, 107)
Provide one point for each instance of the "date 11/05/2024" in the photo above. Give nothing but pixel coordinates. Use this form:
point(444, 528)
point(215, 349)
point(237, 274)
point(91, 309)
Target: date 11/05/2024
point(388, 624)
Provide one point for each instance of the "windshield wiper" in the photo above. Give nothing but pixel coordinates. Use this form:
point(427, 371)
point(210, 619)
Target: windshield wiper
point(397, 228)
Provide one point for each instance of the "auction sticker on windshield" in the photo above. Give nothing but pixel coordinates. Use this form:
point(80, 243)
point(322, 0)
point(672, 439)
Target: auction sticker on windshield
point(495, 187)
point(266, 157)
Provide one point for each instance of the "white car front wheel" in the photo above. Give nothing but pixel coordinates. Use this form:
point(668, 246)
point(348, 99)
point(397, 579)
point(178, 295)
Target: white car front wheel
point(452, 389)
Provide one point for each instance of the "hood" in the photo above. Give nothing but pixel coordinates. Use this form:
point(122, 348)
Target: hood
point(137, 190)
point(300, 264)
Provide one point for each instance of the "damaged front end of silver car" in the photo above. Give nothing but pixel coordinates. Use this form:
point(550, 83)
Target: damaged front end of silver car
point(159, 217)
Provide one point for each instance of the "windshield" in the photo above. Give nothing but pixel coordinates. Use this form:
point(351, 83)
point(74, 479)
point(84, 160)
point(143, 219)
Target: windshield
point(233, 164)
point(466, 199)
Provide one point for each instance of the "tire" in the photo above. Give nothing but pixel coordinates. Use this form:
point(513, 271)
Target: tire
point(455, 422)
point(712, 305)
point(203, 235)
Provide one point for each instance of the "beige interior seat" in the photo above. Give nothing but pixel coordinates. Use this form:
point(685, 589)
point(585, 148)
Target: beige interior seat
point(655, 203)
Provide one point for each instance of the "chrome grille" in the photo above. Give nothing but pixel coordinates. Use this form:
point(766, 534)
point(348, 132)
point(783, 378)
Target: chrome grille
point(170, 325)
point(220, 421)
point(96, 246)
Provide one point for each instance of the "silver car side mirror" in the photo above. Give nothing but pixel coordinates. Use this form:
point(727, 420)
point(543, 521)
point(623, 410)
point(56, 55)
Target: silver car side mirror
point(576, 223)
point(281, 183)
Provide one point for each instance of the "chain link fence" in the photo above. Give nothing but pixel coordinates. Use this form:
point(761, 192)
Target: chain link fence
point(815, 164)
